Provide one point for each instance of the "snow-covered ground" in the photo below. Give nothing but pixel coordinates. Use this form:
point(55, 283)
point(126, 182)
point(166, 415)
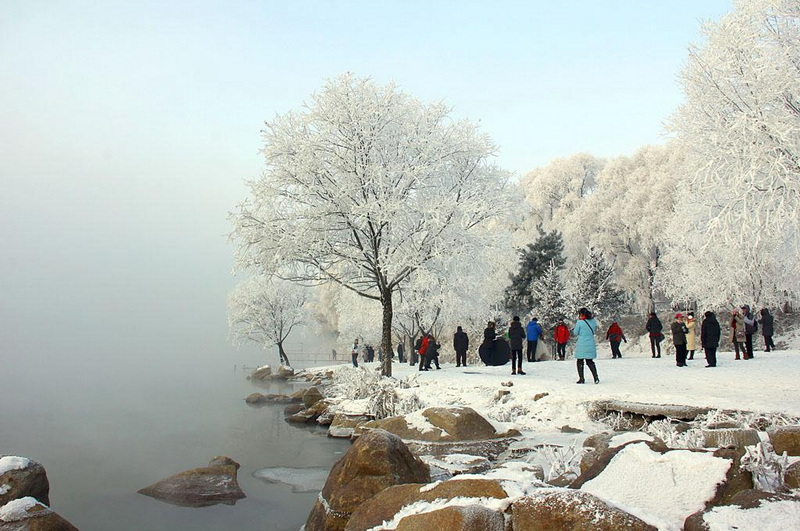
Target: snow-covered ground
point(546, 399)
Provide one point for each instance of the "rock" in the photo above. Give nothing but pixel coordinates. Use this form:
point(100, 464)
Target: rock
point(343, 425)
point(377, 460)
point(291, 409)
point(593, 463)
point(736, 480)
point(569, 510)
point(602, 408)
point(786, 439)
point(539, 396)
point(507, 384)
point(460, 518)
point(770, 507)
point(297, 396)
point(736, 437)
point(306, 416)
point(446, 424)
point(258, 399)
point(387, 503)
point(723, 425)
point(456, 464)
point(570, 429)
point(29, 514)
point(262, 373)
point(792, 475)
point(24, 477)
point(311, 396)
point(200, 487)
point(502, 395)
point(284, 372)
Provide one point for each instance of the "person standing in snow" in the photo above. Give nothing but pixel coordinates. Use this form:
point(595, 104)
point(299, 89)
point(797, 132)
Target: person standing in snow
point(401, 350)
point(432, 353)
point(615, 336)
point(750, 328)
point(354, 353)
point(679, 332)
point(585, 348)
point(461, 345)
point(737, 334)
point(691, 336)
point(424, 343)
point(767, 329)
point(709, 338)
point(561, 337)
point(516, 335)
point(654, 328)
point(532, 332)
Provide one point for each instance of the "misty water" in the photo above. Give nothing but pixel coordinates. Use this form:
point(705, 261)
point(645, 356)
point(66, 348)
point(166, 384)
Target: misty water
point(105, 427)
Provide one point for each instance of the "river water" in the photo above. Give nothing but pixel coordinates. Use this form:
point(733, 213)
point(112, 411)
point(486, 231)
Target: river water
point(105, 429)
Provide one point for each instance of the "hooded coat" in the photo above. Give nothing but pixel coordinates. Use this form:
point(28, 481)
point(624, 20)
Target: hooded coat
point(584, 330)
point(767, 323)
point(654, 326)
point(710, 332)
point(516, 334)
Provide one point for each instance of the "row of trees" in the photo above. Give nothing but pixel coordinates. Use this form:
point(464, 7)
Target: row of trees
point(398, 220)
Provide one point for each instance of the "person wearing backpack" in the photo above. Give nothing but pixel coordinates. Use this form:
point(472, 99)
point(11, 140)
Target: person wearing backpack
point(585, 348)
point(654, 328)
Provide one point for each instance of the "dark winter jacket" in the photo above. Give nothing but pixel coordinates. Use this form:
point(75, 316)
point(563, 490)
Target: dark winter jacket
point(750, 325)
point(767, 323)
point(460, 341)
point(489, 334)
point(533, 330)
point(679, 332)
point(710, 331)
point(654, 326)
point(615, 334)
point(516, 334)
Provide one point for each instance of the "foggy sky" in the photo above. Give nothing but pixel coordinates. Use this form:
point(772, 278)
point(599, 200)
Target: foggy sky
point(127, 129)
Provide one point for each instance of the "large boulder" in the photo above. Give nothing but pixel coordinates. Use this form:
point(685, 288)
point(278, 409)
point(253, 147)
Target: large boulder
point(792, 475)
point(311, 396)
point(568, 510)
point(786, 439)
point(258, 399)
point(262, 373)
point(749, 509)
point(200, 487)
point(646, 411)
point(21, 477)
point(595, 461)
point(473, 517)
point(376, 461)
point(387, 503)
point(283, 372)
point(344, 425)
point(736, 479)
point(29, 514)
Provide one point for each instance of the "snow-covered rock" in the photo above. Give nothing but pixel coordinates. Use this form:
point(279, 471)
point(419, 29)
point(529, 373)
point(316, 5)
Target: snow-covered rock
point(749, 510)
point(29, 514)
point(200, 487)
point(21, 477)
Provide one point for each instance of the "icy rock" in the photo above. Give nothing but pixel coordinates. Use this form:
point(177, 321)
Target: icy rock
point(377, 460)
point(473, 517)
point(387, 503)
point(311, 396)
point(750, 509)
point(601, 408)
point(567, 509)
point(284, 372)
point(343, 425)
point(730, 437)
point(262, 373)
point(200, 487)
point(24, 477)
point(736, 480)
point(29, 514)
point(786, 439)
point(456, 464)
point(291, 409)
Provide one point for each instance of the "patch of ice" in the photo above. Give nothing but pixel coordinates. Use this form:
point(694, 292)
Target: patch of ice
point(622, 438)
point(639, 481)
point(17, 509)
point(12, 462)
point(300, 479)
point(769, 516)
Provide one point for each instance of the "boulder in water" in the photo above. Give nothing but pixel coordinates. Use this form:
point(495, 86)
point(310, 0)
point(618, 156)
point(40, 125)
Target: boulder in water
point(200, 487)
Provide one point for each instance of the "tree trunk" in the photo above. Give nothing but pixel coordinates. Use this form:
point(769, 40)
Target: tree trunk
point(386, 341)
point(282, 355)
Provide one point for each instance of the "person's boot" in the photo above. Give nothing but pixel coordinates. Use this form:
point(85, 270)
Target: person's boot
point(594, 374)
point(580, 375)
point(520, 371)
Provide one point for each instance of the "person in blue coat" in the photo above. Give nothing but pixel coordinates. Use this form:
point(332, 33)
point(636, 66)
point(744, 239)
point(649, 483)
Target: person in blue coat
point(585, 348)
point(532, 331)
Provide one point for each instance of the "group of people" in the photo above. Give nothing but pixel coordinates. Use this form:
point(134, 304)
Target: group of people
point(744, 325)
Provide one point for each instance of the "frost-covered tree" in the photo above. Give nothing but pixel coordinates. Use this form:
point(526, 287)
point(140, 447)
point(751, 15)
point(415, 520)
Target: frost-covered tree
point(364, 187)
point(549, 297)
point(534, 261)
point(265, 311)
point(591, 285)
point(740, 123)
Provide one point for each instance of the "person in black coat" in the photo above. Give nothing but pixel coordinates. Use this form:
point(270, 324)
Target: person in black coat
point(767, 329)
point(679, 332)
point(516, 335)
point(461, 345)
point(654, 328)
point(710, 334)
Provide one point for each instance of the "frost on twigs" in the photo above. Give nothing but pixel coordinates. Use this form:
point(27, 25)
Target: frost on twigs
point(558, 461)
point(767, 467)
point(382, 394)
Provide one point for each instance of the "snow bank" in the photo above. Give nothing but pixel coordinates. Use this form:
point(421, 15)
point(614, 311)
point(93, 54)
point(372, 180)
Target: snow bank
point(661, 489)
point(17, 509)
point(769, 516)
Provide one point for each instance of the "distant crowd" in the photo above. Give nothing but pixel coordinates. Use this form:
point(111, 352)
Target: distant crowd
point(499, 350)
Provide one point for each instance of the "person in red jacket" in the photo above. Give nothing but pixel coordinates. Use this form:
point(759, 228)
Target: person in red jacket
point(615, 337)
point(561, 336)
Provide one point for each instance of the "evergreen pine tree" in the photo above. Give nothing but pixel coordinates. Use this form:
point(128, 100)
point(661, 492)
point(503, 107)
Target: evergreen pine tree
point(534, 261)
point(548, 295)
point(592, 285)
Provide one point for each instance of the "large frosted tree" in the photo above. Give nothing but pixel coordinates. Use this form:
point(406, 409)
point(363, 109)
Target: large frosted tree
point(740, 124)
point(364, 186)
